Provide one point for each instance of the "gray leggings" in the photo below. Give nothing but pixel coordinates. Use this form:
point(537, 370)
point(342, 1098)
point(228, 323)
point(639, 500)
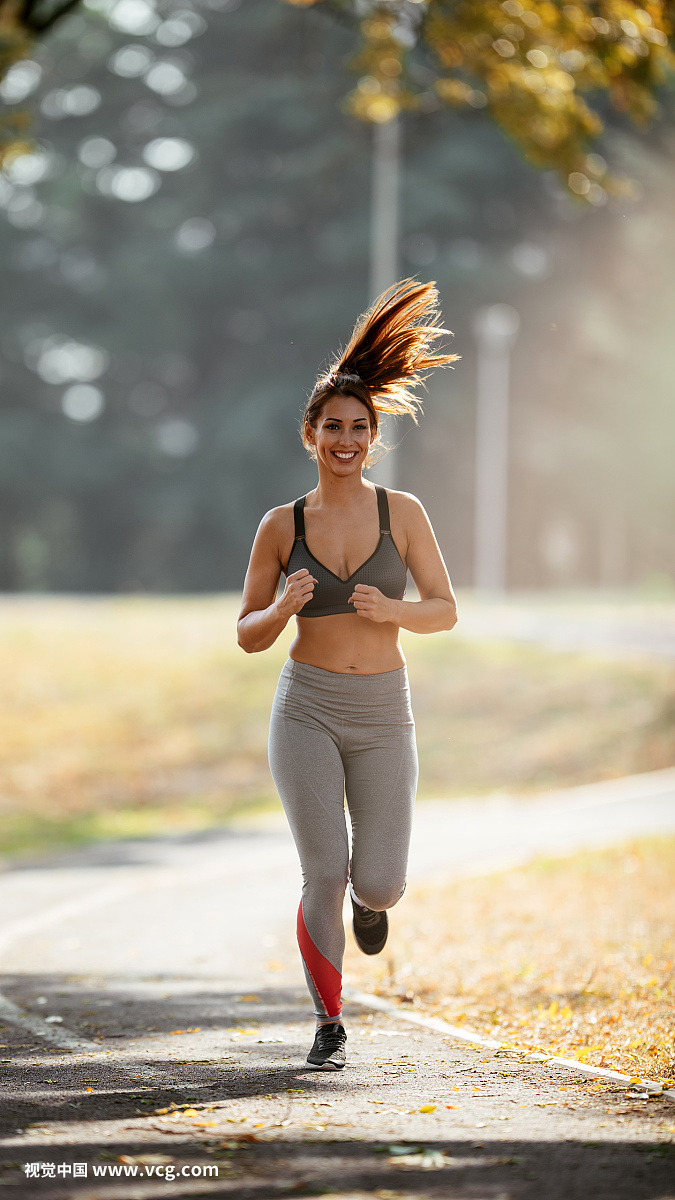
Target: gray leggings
point(332, 734)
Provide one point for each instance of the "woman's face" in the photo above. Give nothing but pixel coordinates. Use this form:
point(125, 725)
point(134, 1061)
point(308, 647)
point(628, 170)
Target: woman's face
point(342, 435)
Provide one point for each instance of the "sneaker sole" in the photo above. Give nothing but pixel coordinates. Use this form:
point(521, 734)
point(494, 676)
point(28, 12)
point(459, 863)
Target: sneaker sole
point(327, 1066)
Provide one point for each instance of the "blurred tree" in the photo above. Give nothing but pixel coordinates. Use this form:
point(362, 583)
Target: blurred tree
point(21, 21)
point(530, 65)
point(185, 241)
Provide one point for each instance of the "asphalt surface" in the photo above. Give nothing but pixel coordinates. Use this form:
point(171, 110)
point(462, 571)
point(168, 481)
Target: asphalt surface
point(155, 1021)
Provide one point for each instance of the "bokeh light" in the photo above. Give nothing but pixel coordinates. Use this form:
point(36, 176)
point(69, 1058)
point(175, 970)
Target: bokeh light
point(82, 402)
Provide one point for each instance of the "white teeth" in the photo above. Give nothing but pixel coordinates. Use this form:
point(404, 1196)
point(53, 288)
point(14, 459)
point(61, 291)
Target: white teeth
point(339, 455)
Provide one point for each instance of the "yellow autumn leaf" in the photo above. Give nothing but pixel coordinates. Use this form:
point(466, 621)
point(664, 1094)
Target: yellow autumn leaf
point(428, 1108)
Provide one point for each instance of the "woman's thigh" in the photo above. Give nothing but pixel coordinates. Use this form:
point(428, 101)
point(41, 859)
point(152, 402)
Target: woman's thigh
point(381, 781)
point(309, 776)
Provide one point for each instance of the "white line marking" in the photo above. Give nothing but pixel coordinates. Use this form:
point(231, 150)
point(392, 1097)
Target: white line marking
point(465, 1035)
point(60, 1037)
point(63, 912)
point(63, 1039)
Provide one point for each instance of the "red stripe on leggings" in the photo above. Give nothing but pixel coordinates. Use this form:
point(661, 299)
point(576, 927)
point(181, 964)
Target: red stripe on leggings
point(326, 980)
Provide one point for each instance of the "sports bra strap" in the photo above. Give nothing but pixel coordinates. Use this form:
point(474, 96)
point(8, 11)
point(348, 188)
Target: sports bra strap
point(383, 509)
point(299, 518)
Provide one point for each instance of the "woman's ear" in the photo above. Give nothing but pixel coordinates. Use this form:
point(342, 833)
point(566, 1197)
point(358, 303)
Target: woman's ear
point(309, 433)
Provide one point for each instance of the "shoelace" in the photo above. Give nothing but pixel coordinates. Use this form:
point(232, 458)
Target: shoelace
point(368, 916)
point(330, 1037)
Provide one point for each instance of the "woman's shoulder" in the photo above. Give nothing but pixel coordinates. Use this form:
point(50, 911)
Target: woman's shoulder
point(276, 532)
point(404, 504)
point(278, 520)
point(278, 526)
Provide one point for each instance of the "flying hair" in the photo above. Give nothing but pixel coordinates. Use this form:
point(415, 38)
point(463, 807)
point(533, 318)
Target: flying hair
point(387, 357)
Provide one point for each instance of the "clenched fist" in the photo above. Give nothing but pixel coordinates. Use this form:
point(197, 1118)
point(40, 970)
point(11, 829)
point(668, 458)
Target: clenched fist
point(298, 590)
point(369, 602)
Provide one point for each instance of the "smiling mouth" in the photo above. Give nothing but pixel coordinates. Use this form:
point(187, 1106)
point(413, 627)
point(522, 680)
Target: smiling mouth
point(344, 456)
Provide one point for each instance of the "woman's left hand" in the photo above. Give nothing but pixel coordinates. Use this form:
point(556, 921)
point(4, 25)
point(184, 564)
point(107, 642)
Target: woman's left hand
point(369, 602)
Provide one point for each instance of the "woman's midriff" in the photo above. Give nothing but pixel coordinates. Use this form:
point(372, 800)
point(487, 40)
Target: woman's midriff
point(348, 644)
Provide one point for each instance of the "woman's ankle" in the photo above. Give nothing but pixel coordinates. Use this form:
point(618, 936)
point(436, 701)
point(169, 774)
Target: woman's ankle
point(329, 1020)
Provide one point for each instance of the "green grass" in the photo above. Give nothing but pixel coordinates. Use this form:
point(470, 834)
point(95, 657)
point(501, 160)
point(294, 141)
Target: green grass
point(136, 716)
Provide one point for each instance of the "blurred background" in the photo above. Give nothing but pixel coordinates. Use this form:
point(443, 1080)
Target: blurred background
point(185, 240)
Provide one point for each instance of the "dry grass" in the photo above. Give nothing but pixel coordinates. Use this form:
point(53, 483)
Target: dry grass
point(134, 715)
point(569, 956)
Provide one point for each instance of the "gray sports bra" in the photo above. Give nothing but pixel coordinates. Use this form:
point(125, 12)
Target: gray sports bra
point(384, 569)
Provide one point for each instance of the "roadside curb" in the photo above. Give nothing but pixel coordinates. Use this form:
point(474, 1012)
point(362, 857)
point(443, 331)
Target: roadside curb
point(366, 1000)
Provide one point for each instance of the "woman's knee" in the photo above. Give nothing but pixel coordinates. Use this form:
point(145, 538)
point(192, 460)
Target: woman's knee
point(326, 887)
point(379, 894)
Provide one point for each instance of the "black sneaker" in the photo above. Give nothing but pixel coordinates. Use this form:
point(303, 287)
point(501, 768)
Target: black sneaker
point(371, 928)
point(328, 1051)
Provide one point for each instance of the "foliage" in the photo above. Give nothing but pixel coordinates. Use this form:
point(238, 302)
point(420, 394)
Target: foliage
point(531, 65)
point(21, 21)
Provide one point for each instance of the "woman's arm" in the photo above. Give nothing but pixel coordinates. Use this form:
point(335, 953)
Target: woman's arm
point(263, 615)
point(436, 608)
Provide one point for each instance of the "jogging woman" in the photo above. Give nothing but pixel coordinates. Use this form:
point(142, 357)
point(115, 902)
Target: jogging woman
point(341, 719)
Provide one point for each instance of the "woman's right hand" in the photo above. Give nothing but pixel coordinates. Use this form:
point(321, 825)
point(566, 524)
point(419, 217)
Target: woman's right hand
point(298, 590)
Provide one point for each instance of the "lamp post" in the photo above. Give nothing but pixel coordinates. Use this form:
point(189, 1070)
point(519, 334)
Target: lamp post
point(384, 234)
point(495, 329)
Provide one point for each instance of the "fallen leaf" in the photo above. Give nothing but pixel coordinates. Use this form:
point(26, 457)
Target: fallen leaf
point(140, 1159)
point(428, 1108)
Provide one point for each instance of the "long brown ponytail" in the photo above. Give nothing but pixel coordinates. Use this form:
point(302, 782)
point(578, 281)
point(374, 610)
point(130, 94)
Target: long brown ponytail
point(390, 348)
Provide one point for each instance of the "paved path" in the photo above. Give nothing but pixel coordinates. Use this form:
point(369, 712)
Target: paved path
point(170, 975)
point(611, 628)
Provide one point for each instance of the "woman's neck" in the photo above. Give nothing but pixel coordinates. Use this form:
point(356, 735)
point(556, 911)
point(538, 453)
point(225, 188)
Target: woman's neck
point(332, 492)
